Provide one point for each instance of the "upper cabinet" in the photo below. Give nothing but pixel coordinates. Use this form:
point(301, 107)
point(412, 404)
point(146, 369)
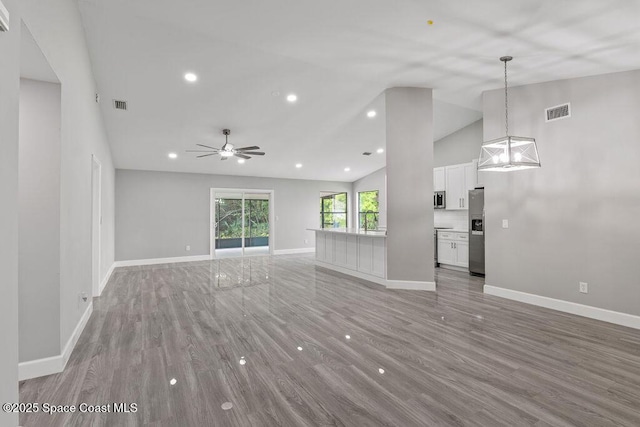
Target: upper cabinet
point(459, 179)
point(439, 180)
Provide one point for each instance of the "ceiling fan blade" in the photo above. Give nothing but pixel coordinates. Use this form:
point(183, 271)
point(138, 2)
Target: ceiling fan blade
point(202, 145)
point(242, 156)
point(201, 151)
point(206, 155)
point(253, 153)
point(254, 147)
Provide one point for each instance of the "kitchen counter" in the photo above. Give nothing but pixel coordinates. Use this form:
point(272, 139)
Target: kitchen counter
point(351, 231)
point(359, 253)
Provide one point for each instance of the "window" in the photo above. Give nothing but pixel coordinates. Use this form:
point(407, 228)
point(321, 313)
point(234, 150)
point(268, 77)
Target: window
point(368, 209)
point(333, 210)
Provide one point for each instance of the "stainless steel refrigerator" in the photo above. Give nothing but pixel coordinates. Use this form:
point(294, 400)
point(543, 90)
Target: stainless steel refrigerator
point(476, 231)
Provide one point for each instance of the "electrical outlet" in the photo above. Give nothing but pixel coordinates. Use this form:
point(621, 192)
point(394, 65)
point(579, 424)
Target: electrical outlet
point(584, 287)
point(505, 223)
point(187, 248)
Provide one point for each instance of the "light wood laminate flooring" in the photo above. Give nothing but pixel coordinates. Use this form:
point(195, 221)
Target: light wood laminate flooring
point(269, 334)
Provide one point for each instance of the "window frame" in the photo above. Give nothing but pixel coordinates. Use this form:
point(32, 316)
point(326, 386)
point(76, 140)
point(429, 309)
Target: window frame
point(334, 212)
point(376, 213)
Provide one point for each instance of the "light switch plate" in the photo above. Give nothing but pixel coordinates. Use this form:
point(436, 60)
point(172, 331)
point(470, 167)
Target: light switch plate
point(188, 248)
point(584, 287)
point(505, 223)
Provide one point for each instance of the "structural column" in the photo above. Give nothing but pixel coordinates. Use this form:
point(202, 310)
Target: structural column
point(409, 151)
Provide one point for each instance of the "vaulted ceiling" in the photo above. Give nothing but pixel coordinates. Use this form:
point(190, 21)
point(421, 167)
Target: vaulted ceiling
point(337, 57)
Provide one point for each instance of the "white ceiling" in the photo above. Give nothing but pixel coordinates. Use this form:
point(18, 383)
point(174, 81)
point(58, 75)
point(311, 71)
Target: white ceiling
point(33, 64)
point(338, 57)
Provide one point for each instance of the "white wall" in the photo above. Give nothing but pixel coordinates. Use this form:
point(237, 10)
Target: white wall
point(409, 157)
point(57, 29)
point(459, 147)
point(39, 230)
point(374, 181)
point(9, 101)
point(159, 213)
point(576, 218)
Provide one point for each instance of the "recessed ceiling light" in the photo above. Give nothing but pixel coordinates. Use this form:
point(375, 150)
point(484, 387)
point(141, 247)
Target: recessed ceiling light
point(381, 370)
point(380, 150)
point(348, 337)
point(173, 156)
point(190, 77)
point(347, 169)
point(241, 161)
point(299, 348)
point(173, 381)
point(371, 114)
point(298, 165)
point(292, 97)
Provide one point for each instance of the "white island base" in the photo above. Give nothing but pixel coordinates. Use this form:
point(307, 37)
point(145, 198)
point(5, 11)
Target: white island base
point(361, 254)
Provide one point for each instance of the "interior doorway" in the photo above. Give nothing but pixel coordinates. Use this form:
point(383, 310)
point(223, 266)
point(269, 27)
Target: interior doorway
point(96, 224)
point(241, 222)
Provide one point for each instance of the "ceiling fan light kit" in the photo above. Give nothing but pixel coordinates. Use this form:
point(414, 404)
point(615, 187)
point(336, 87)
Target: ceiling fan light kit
point(509, 153)
point(228, 150)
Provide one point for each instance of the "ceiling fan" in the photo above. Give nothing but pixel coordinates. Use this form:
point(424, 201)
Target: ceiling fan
point(227, 149)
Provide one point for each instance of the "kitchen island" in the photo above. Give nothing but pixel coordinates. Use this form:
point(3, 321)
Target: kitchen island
point(360, 254)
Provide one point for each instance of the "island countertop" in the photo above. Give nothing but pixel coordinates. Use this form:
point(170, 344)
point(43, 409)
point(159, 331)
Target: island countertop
point(352, 232)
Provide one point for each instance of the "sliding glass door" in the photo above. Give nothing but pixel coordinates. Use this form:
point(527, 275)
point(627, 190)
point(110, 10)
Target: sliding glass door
point(241, 222)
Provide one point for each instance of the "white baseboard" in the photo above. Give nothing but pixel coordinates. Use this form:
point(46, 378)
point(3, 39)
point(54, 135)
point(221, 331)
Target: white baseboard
point(389, 284)
point(591, 312)
point(153, 261)
point(294, 251)
point(55, 364)
point(106, 279)
point(411, 285)
point(39, 367)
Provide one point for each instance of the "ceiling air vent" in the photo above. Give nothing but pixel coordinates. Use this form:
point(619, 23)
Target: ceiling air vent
point(558, 112)
point(119, 105)
point(366, 153)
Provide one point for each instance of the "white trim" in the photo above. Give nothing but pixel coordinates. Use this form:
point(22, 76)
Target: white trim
point(591, 312)
point(411, 285)
point(39, 367)
point(55, 364)
point(294, 251)
point(106, 278)
point(153, 261)
point(73, 339)
point(95, 275)
point(389, 284)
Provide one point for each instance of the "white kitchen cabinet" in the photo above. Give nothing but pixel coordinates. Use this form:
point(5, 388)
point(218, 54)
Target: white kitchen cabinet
point(459, 180)
point(453, 248)
point(439, 179)
point(455, 186)
point(446, 253)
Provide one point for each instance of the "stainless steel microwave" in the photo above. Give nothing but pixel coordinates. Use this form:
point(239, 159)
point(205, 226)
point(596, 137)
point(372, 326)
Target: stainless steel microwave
point(439, 200)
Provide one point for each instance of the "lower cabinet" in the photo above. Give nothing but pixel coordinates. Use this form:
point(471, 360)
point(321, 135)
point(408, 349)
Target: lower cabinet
point(453, 249)
point(360, 253)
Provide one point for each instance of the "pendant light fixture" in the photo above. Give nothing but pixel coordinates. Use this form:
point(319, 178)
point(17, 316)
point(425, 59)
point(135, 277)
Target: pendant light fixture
point(509, 153)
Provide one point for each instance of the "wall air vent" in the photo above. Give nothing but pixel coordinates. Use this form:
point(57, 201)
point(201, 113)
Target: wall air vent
point(366, 153)
point(558, 112)
point(119, 105)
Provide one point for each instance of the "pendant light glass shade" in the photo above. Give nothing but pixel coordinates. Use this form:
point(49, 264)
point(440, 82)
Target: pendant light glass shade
point(509, 153)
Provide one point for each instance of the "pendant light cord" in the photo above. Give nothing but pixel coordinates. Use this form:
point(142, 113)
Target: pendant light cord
point(506, 101)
